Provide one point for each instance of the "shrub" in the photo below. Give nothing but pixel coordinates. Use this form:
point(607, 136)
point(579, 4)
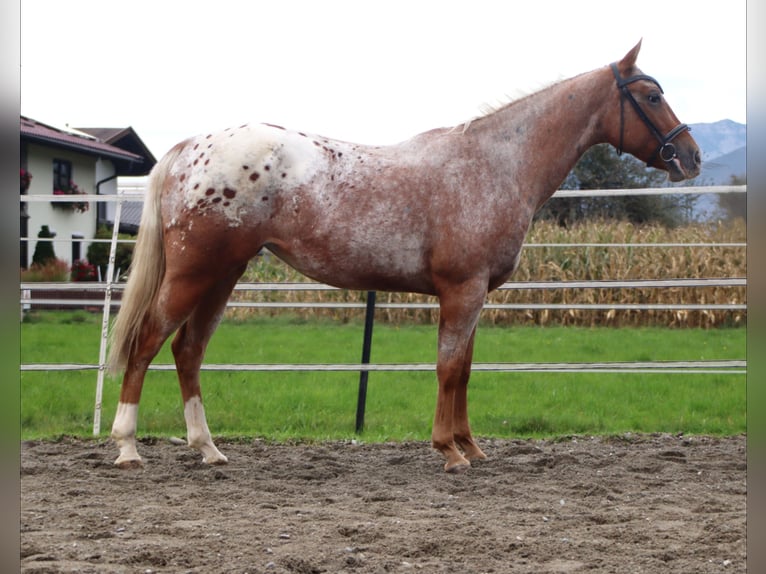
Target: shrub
point(51, 270)
point(44, 247)
point(98, 253)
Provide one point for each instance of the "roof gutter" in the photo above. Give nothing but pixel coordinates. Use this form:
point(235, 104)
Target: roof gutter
point(106, 179)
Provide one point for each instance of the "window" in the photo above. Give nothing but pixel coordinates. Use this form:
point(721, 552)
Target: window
point(62, 174)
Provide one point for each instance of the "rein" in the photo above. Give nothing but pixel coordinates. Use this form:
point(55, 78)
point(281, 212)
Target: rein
point(666, 150)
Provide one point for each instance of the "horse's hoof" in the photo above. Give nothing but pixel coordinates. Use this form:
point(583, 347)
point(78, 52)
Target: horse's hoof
point(215, 458)
point(459, 468)
point(474, 454)
point(129, 464)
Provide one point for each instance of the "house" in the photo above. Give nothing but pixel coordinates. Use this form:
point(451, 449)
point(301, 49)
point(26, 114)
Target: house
point(72, 161)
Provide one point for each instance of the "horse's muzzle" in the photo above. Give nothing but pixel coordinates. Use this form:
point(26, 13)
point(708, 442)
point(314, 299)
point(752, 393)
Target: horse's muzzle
point(686, 164)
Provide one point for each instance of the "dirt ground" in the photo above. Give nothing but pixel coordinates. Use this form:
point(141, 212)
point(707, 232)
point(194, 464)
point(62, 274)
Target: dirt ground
point(649, 504)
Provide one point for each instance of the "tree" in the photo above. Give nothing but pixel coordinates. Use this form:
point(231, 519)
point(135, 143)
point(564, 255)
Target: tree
point(601, 168)
point(44, 247)
point(733, 205)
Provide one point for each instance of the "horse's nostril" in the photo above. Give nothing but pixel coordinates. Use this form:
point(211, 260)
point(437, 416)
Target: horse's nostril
point(697, 158)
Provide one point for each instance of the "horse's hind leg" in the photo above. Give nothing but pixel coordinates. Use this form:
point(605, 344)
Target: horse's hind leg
point(174, 303)
point(188, 350)
point(126, 419)
point(159, 325)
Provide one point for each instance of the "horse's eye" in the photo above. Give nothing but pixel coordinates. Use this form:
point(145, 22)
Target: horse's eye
point(654, 98)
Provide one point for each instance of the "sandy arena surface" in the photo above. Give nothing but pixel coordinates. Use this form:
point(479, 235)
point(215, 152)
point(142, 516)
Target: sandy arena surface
point(651, 504)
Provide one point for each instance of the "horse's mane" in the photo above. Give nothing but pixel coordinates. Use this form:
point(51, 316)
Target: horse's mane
point(487, 109)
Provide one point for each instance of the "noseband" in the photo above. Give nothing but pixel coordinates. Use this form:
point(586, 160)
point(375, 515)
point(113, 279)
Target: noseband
point(666, 150)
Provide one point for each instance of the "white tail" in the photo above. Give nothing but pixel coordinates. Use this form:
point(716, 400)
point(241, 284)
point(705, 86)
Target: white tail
point(146, 271)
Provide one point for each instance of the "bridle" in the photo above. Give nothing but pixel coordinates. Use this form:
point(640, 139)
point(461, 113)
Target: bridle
point(666, 151)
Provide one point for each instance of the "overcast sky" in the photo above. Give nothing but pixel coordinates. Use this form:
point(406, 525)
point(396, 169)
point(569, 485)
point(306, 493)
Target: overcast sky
point(361, 70)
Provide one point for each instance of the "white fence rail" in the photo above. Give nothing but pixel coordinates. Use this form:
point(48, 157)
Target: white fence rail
point(106, 289)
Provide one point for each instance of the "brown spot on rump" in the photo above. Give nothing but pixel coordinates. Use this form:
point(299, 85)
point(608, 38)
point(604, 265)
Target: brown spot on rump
point(274, 126)
point(217, 199)
point(229, 193)
point(196, 186)
point(210, 191)
point(284, 175)
point(245, 167)
point(254, 176)
point(267, 167)
point(265, 198)
point(183, 176)
point(226, 203)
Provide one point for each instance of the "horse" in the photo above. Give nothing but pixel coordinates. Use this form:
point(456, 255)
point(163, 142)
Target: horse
point(444, 213)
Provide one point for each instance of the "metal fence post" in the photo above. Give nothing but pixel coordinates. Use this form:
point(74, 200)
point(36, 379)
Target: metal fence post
point(105, 318)
point(369, 319)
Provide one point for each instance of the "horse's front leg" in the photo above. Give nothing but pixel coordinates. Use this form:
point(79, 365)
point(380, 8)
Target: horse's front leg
point(461, 428)
point(459, 313)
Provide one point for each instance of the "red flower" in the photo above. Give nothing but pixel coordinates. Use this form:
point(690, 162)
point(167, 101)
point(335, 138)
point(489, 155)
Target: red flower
point(25, 178)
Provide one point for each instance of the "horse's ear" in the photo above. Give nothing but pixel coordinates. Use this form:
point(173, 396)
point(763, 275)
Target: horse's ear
point(629, 61)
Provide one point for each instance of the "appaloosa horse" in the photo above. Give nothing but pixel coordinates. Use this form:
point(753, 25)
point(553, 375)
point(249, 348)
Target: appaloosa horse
point(444, 213)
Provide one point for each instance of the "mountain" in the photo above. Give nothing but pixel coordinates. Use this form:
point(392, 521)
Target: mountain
point(719, 138)
point(724, 154)
point(719, 170)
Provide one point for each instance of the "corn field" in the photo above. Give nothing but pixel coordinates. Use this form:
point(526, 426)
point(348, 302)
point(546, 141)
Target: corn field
point(568, 263)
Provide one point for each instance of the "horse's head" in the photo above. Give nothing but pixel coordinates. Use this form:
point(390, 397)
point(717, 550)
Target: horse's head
point(646, 127)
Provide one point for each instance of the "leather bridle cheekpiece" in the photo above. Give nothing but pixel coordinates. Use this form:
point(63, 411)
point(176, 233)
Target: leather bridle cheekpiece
point(666, 151)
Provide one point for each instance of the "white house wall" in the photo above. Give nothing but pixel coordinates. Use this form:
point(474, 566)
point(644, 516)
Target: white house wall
point(105, 169)
point(64, 223)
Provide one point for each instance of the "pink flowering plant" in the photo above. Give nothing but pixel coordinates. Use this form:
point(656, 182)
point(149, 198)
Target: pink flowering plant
point(83, 271)
point(71, 189)
point(25, 178)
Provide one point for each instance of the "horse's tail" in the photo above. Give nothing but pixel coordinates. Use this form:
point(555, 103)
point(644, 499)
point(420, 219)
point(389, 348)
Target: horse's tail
point(146, 270)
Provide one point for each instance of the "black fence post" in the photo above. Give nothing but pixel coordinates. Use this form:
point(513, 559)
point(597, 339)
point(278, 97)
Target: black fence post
point(369, 319)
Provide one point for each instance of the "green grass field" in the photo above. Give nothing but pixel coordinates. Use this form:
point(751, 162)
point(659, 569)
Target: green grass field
point(321, 405)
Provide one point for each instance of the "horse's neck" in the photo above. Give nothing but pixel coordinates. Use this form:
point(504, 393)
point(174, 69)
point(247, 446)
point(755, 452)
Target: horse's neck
point(539, 139)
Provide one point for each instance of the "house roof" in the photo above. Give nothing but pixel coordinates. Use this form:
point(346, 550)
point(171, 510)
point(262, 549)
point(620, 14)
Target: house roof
point(123, 146)
point(126, 139)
